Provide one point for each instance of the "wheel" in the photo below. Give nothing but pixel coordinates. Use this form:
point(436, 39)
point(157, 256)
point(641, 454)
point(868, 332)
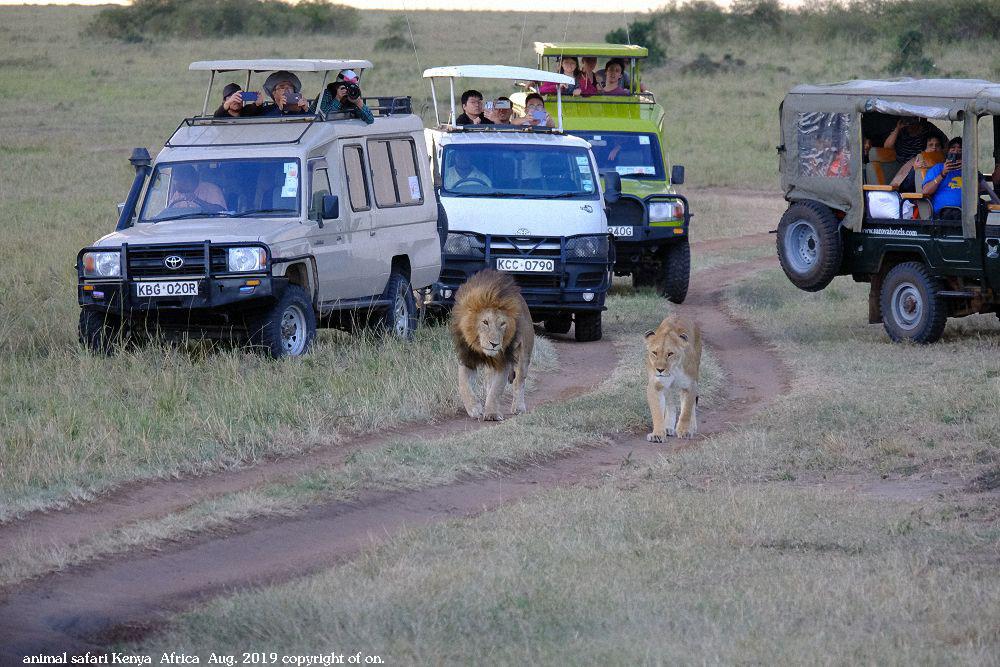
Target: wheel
point(809, 245)
point(558, 325)
point(288, 328)
point(911, 309)
point(588, 327)
point(675, 271)
point(101, 331)
point(400, 318)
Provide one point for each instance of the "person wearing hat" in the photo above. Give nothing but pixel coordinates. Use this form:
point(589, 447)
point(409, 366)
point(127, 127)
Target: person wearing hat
point(336, 100)
point(233, 106)
point(286, 91)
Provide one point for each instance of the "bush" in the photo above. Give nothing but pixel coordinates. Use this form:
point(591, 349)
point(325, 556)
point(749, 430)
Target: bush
point(909, 57)
point(641, 33)
point(212, 18)
point(396, 35)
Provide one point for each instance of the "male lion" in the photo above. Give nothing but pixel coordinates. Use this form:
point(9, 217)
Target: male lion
point(491, 327)
point(672, 359)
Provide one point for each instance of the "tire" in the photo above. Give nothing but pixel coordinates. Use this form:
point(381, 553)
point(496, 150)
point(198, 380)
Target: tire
point(558, 325)
point(911, 309)
point(675, 272)
point(400, 318)
point(588, 327)
point(809, 245)
point(288, 328)
point(101, 332)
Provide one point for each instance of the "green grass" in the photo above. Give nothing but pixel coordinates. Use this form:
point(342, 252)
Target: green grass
point(645, 571)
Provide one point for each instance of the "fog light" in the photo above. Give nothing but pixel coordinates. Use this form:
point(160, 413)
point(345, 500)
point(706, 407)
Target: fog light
point(247, 289)
point(252, 283)
point(447, 294)
point(98, 295)
point(588, 296)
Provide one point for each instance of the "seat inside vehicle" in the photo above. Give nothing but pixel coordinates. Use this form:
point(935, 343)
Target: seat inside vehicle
point(882, 165)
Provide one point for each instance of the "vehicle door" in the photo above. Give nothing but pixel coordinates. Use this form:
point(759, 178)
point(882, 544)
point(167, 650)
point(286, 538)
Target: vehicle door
point(356, 275)
point(324, 235)
point(399, 198)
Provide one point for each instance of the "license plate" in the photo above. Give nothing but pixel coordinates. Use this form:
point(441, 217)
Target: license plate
point(173, 288)
point(526, 265)
point(623, 230)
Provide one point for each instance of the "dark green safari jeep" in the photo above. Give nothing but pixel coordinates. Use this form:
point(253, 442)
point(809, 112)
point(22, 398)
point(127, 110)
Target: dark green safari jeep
point(928, 245)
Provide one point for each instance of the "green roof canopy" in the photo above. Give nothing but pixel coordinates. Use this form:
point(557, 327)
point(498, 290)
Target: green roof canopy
point(590, 49)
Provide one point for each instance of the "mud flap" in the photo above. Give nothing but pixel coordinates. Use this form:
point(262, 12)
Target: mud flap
point(874, 300)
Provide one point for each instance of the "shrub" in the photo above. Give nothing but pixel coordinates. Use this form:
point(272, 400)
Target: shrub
point(211, 18)
point(641, 33)
point(396, 35)
point(909, 57)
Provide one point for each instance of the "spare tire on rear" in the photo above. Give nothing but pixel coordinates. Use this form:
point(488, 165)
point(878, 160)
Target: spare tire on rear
point(810, 246)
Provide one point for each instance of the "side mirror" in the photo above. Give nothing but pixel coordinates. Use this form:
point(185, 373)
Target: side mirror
point(612, 186)
point(331, 207)
point(677, 175)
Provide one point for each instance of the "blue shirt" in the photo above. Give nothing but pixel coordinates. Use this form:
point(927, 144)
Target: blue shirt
point(949, 191)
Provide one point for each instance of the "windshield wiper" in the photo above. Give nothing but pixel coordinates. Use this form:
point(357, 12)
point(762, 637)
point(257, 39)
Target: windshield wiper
point(200, 214)
point(484, 194)
point(562, 195)
point(243, 214)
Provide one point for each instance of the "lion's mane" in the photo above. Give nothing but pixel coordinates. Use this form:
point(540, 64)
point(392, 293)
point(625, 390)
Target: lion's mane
point(485, 289)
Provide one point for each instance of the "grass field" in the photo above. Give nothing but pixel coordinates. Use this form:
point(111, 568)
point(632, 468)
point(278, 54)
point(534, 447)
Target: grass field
point(752, 548)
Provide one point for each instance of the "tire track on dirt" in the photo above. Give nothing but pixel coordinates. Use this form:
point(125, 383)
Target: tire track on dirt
point(582, 366)
point(81, 608)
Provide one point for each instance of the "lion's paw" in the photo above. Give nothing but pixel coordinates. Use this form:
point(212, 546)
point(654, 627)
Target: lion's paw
point(654, 437)
point(686, 433)
point(476, 412)
point(670, 431)
point(492, 417)
point(519, 409)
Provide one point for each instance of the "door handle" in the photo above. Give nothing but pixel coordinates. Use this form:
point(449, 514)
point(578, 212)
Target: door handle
point(340, 239)
point(371, 233)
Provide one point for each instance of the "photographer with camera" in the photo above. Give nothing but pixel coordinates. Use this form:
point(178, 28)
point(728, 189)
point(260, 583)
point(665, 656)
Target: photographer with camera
point(237, 103)
point(286, 91)
point(943, 184)
point(344, 95)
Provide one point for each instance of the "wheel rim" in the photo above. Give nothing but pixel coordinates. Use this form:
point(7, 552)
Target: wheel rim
point(801, 246)
point(401, 318)
point(907, 306)
point(293, 331)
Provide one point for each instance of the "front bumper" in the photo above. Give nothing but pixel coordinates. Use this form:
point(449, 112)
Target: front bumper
point(636, 235)
point(220, 293)
point(575, 284)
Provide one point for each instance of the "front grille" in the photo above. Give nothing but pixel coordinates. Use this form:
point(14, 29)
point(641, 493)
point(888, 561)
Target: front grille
point(527, 246)
point(148, 261)
point(529, 280)
point(626, 211)
point(590, 279)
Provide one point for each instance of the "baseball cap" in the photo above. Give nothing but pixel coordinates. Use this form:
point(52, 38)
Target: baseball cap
point(348, 75)
point(230, 89)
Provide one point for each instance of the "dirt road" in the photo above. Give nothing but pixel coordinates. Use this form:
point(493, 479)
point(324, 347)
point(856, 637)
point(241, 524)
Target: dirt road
point(85, 607)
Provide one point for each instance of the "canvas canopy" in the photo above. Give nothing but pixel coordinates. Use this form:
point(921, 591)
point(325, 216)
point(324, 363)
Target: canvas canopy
point(290, 64)
point(821, 133)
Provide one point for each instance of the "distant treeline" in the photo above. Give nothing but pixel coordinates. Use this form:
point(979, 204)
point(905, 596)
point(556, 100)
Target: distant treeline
point(937, 20)
point(221, 18)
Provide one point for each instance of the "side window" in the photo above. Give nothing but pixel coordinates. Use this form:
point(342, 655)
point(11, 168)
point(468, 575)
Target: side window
point(395, 177)
point(357, 188)
point(320, 187)
point(823, 139)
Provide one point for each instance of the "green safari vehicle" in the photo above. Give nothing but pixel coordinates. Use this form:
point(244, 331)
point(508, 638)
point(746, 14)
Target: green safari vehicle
point(650, 221)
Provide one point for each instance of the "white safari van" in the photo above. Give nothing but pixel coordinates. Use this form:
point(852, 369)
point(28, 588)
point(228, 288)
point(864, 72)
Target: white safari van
point(525, 200)
point(298, 221)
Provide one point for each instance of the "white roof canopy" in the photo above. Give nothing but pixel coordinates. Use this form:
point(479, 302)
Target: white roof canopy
point(290, 64)
point(497, 72)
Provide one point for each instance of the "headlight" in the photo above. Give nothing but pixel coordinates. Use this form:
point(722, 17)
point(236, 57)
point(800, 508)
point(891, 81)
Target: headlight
point(462, 244)
point(662, 211)
point(247, 259)
point(587, 246)
point(102, 264)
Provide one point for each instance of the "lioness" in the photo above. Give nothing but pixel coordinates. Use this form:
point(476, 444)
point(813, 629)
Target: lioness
point(491, 327)
point(672, 360)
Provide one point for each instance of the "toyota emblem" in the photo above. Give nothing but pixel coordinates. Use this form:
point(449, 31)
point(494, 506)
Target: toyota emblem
point(523, 231)
point(173, 262)
point(588, 208)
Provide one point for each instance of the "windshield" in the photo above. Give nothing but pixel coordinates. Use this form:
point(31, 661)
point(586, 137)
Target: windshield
point(264, 187)
point(533, 172)
point(631, 154)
